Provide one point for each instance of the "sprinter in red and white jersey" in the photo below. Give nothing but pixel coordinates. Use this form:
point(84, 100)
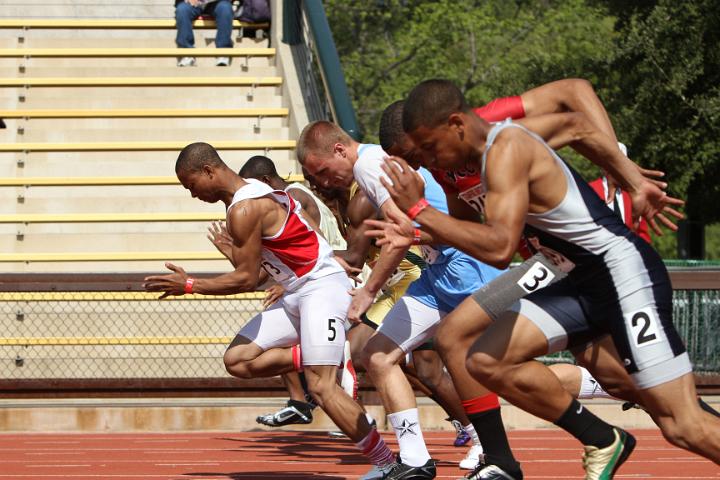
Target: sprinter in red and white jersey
point(268, 231)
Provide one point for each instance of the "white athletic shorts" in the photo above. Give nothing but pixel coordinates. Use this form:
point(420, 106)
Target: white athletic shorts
point(410, 323)
point(314, 315)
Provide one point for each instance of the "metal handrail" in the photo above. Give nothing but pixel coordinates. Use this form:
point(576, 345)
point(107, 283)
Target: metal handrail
point(306, 30)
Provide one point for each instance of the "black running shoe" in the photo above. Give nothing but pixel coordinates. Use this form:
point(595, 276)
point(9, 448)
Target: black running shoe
point(488, 472)
point(400, 471)
point(295, 412)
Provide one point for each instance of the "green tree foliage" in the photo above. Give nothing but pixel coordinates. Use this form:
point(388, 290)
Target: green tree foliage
point(655, 65)
point(663, 90)
point(490, 48)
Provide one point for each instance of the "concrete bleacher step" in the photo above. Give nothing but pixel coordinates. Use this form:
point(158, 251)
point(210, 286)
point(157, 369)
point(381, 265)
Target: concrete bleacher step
point(119, 97)
point(108, 68)
point(163, 67)
point(64, 9)
point(110, 39)
point(36, 130)
point(91, 115)
point(161, 163)
point(176, 130)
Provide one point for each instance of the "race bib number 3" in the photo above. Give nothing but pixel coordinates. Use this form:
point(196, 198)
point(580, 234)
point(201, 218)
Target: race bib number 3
point(643, 327)
point(274, 272)
point(537, 277)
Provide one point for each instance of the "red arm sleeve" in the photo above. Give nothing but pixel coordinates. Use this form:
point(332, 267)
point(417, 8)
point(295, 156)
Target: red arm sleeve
point(502, 108)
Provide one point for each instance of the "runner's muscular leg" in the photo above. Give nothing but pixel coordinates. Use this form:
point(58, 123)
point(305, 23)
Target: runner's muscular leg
point(429, 368)
point(673, 405)
point(245, 359)
point(342, 410)
point(294, 386)
point(457, 332)
point(358, 337)
point(461, 328)
point(502, 360)
point(603, 362)
point(384, 358)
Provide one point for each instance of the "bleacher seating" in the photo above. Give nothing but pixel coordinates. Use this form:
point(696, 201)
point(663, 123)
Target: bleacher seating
point(97, 111)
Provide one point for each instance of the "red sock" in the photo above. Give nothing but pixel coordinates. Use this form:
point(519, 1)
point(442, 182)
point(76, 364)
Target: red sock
point(375, 449)
point(297, 358)
point(481, 404)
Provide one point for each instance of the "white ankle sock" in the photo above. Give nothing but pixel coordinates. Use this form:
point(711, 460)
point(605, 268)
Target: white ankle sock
point(591, 388)
point(470, 430)
point(413, 451)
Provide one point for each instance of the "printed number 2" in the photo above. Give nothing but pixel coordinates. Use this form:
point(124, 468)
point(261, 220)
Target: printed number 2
point(332, 333)
point(647, 330)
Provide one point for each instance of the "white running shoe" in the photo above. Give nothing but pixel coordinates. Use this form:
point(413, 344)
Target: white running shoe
point(186, 62)
point(222, 61)
point(473, 457)
point(377, 472)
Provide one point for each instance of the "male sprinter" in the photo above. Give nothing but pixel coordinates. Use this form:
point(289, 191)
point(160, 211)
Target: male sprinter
point(616, 283)
point(268, 230)
point(334, 158)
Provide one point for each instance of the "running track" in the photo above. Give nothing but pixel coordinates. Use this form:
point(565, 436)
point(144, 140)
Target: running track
point(545, 454)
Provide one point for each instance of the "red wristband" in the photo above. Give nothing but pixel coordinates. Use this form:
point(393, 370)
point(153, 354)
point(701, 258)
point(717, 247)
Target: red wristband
point(189, 285)
point(416, 237)
point(415, 210)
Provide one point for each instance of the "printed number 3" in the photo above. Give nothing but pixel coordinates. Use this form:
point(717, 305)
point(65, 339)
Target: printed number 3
point(543, 273)
point(332, 333)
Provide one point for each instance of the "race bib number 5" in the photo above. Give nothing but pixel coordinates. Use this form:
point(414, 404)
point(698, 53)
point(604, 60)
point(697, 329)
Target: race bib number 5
point(538, 276)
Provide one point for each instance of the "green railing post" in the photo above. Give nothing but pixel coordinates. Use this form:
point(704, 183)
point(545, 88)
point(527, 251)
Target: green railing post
point(331, 68)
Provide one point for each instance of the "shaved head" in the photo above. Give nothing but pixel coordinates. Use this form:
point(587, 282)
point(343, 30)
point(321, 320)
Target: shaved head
point(196, 155)
point(430, 104)
point(391, 125)
point(259, 166)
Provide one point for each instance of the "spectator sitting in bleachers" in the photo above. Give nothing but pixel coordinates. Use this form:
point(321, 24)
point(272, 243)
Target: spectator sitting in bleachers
point(186, 11)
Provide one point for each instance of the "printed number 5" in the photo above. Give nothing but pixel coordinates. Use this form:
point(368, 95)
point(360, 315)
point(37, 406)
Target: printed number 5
point(332, 333)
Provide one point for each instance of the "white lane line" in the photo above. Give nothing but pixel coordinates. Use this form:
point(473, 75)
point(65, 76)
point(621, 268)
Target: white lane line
point(56, 465)
point(54, 453)
point(52, 442)
point(160, 441)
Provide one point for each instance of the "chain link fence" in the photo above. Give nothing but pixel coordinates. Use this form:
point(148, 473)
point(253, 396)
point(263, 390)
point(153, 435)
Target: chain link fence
point(122, 335)
point(111, 335)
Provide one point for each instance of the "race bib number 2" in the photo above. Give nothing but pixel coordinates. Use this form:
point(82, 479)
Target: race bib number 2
point(643, 327)
point(538, 276)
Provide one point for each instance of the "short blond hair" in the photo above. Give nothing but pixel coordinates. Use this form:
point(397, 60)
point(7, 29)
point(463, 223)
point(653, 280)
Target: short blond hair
point(319, 137)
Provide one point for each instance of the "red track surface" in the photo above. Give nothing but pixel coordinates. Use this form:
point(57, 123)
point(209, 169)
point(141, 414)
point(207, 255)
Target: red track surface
point(545, 454)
